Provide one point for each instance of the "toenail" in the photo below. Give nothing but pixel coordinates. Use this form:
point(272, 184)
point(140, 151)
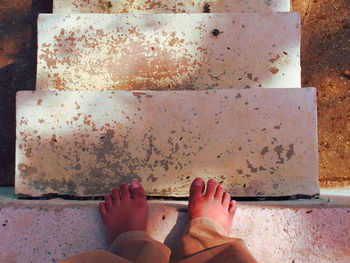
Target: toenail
point(197, 182)
point(135, 185)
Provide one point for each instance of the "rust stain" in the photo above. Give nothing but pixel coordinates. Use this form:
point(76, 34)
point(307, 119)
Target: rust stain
point(272, 60)
point(26, 170)
point(140, 94)
point(40, 102)
point(274, 70)
point(77, 105)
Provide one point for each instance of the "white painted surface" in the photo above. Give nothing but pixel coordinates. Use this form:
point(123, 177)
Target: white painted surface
point(168, 51)
point(169, 6)
point(257, 142)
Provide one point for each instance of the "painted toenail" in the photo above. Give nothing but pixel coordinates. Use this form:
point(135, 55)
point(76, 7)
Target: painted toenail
point(135, 185)
point(197, 182)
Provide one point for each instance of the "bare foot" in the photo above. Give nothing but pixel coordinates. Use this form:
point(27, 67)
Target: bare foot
point(214, 203)
point(124, 210)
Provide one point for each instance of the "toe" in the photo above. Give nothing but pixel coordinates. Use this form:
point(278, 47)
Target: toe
point(226, 198)
point(197, 187)
point(219, 192)
point(116, 195)
point(124, 191)
point(209, 193)
point(103, 209)
point(108, 199)
point(232, 207)
point(137, 191)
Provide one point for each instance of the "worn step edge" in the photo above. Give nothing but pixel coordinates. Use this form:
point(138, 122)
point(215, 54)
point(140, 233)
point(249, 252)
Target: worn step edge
point(169, 6)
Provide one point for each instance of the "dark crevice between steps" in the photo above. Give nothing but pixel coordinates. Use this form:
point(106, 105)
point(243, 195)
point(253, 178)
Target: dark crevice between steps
point(18, 25)
point(170, 198)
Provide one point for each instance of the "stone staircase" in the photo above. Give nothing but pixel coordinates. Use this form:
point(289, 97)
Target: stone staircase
point(165, 91)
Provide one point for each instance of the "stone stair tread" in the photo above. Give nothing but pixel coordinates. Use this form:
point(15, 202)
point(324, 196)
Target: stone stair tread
point(168, 51)
point(45, 231)
point(258, 142)
point(169, 6)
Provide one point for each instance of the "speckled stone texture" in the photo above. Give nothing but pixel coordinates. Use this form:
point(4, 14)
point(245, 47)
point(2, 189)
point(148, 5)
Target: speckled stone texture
point(258, 142)
point(300, 231)
point(168, 52)
point(169, 6)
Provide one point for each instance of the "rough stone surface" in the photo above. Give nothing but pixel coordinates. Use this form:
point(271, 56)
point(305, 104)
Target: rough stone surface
point(168, 52)
point(258, 142)
point(325, 64)
point(299, 231)
point(169, 6)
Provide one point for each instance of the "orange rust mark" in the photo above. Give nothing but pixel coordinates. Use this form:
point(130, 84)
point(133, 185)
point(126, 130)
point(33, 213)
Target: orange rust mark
point(150, 5)
point(40, 102)
point(47, 56)
point(77, 105)
point(53, 138)
point(274, 70)
point(25, 168)
point(87, 122)
point(172, 42)
point(272, 60)
point(41, 121)
point(100, 33)
point(133, 30)
point(58, 82)
point(139, 94)
point(110, 132)
point(75, 118)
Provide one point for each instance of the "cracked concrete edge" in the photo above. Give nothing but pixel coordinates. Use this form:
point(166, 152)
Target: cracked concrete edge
point(328, 199)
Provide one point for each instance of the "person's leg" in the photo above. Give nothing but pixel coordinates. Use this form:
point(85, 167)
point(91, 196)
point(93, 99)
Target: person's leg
point(206, 237)
point(124, 214)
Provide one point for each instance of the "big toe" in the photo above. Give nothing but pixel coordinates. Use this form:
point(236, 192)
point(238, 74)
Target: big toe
point(197, 187)
point(137, 191)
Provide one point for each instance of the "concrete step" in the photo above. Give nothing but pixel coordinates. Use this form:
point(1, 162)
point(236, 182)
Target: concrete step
point(258, 142)
point(169, 6)
point(312, 231)
point(168, 51)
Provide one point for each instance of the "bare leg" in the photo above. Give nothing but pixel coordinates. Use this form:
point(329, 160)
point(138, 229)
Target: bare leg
point(124, 210)
point(215, 203)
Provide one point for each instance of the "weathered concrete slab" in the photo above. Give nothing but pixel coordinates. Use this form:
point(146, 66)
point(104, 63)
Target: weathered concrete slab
point(169, 6)
point(168, 52)
point(258, 142)
point(302, 231)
